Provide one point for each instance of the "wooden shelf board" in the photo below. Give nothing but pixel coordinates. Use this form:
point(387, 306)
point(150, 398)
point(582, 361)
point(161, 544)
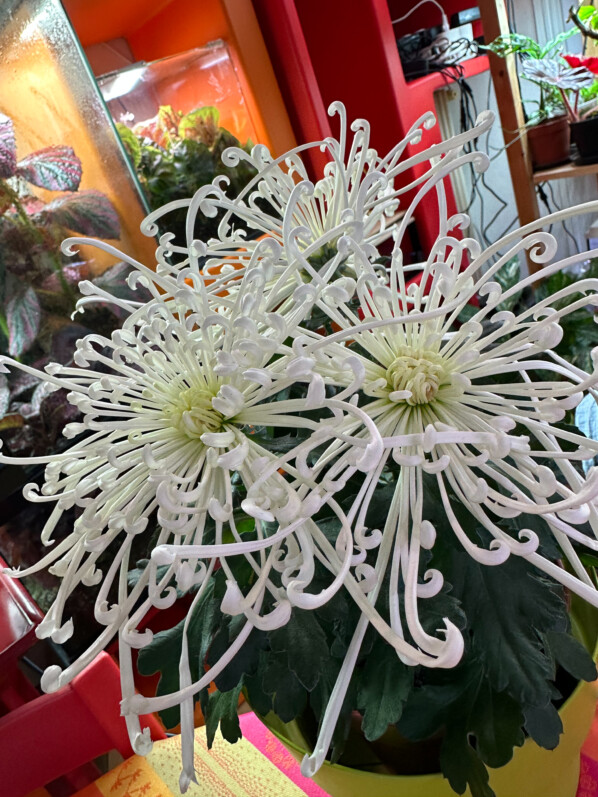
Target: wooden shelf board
point(565, 170)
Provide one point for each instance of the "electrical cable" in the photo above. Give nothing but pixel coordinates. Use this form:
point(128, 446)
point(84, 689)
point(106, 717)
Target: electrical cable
point(445, 22)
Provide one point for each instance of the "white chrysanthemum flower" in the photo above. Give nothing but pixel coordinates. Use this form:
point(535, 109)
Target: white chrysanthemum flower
point(469, 410)
point(171, 405)
point(359, 193)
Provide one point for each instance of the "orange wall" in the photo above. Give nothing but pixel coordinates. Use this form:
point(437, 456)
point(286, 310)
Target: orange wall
point(158, 28)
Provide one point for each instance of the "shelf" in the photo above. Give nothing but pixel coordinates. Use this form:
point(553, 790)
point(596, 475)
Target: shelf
point(565, 170)
point(437, 80)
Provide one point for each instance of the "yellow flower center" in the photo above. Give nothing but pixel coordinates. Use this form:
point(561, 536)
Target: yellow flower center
point(420, 371)
point(192, 413)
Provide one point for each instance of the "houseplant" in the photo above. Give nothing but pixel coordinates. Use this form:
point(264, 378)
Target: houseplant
point(547, 129)
point(175, 153)
point(570, 81)
point(375, 508)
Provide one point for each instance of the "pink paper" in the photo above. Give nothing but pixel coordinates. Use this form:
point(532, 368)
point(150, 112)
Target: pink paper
point(265, 741)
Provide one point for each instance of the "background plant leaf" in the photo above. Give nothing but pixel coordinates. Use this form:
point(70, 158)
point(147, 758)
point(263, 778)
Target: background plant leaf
point(87, 212)
point(130, 142)
point(55, 168)
point(8, 149)
point(23, 316)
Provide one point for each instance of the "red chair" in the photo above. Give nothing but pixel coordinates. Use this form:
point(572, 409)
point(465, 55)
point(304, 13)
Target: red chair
point(56, 733)
point(19, 616)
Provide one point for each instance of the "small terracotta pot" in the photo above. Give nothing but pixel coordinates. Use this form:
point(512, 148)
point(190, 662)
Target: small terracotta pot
point(549, 142)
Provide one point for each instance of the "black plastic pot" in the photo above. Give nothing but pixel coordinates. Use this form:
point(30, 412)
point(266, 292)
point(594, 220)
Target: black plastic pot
point(549, 142)
point(584, 135)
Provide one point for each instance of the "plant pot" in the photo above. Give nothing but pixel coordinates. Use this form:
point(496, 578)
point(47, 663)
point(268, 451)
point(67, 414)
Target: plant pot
point(584, 135)
point(549, 142)
point(533, 771)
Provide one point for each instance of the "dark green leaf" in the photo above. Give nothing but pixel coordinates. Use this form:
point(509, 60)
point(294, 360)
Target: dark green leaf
point(384, 688)
point(304, 642)
point(55, 168)
point(543, 724)
point(23, 316)
point(163, 653)
point(462, 766)
point(571, 655)
point(222, 710)
point(496, 720)
point(506, 607)
point(8, 149)
point(289, 697)
point(87, 212)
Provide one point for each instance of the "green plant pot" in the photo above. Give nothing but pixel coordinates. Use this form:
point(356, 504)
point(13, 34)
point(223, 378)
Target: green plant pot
point(532, 772)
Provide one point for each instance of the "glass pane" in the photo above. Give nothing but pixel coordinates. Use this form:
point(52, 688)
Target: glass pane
point(194, 79)
point(176, 116)
point(63, 171)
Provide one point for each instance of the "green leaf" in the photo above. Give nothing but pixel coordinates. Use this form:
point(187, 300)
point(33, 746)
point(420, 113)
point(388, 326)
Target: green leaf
point(543, 724)
point(384, 688)
point(130, 142)
point(87, 212)
point(585, 12)
point(289, 697)
point(221, 710)
point(163, 653)
point(8, 149)
point(244, 662)
point(305, 645)
point(506, 607)
point(462, 766)
point(200, 125)
point(55, 168)
point(571, 655)
point(23, 317)
point(507, 277)
point(496, 720)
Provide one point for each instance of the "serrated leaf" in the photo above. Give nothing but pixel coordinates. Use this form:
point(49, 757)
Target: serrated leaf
point(304, 642)
point(23, 316)
point(384, 688)
point(506, 607)
point(543, 724)
point(55, 168)
point(496, 720)
point(221, 710)
point(87, 212)
point(8, 148)
point(571, 655)
point(462, 766)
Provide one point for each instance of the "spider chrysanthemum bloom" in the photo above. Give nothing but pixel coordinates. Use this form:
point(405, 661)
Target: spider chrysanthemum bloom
point(470, 412)
point(173, 446)
point(358, 193)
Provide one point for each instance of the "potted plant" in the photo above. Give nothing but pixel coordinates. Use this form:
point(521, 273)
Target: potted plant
point(570, 80)
point(547, 129)
point(378, 511)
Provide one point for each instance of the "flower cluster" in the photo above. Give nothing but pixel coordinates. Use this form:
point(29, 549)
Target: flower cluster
point(292, 322)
